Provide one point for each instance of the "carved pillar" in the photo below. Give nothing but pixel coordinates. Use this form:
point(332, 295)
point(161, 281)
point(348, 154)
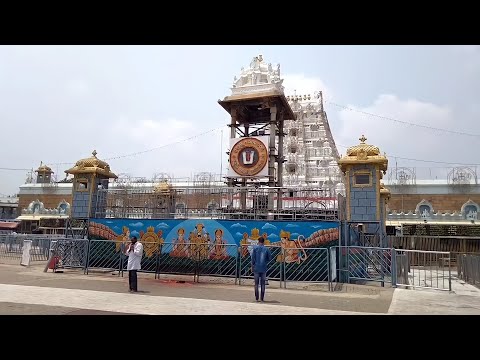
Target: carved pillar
point(271, 161)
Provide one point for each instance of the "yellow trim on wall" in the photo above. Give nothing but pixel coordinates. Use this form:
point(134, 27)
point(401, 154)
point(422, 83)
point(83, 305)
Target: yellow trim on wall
point(362, 172)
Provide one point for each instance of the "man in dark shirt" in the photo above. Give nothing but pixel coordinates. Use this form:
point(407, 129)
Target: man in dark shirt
point(261, 256)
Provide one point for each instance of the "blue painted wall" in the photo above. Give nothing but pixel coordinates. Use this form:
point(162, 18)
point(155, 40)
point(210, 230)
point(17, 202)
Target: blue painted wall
point(311, 233)
point(363, 200)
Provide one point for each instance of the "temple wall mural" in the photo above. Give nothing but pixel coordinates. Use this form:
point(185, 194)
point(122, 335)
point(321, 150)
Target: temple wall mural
point(182, 234)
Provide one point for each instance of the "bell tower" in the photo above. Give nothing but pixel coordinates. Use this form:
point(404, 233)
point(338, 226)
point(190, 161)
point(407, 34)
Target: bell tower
point(258, 109)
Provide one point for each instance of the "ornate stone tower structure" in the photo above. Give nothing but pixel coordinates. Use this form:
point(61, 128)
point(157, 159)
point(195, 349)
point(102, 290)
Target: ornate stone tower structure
point(366, 197)
point(44, 174)
point(90, 176)
point(310, 151)
point(258, 109)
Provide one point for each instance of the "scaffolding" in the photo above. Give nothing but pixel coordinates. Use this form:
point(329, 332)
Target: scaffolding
point(207, 197)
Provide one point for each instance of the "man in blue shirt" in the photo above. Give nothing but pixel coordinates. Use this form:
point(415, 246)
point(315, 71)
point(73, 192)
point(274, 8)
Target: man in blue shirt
point(261, 256)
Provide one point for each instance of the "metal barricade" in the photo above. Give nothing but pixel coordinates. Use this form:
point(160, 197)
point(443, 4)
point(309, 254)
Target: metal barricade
point(275, 269)
point(11, 246)
point(104, 255)
point(423, 269)
point(150, 259)
point(368, 264)
point(180, 259)
point(468, 268)
point(307, 265)
point(222, 261)
point(71, 253)
point(40, 248)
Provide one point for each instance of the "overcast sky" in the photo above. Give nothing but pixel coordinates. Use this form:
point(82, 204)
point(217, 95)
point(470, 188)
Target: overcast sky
point(59, 103)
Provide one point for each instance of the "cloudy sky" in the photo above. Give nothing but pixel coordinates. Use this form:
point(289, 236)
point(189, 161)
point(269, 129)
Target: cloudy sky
point(59, 103)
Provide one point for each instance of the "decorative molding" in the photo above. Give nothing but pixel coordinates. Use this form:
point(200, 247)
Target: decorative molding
point(422, 211)
point(258, 77)
point(362, 172)
point(470, 210)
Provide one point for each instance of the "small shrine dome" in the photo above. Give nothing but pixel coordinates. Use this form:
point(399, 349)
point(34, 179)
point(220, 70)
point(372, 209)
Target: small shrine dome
point(163, 188)
point(363, 153)
point(44, 168)
point(92, 165)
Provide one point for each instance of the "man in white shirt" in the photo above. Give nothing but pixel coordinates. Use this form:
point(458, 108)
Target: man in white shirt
point(135, 252)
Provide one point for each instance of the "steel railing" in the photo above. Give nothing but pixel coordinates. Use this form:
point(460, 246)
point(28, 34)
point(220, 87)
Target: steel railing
point(275, 269)
point(311, 265)
point(408, 268)
point(423, 269)
point(368, 264)
point(70, 253)
point(468, 268)
point(222, 261)
point(104, 255)
point(11, 246)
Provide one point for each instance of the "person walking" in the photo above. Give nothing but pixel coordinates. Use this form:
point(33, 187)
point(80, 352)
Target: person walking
point(135, 253)
point(261, 256)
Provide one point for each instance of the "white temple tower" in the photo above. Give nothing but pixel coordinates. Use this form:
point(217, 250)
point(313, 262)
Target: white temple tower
point(310, 151)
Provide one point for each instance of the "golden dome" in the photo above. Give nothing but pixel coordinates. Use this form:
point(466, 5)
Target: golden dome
point(92, 165)
point(363, 154)
point(163, 188)
point(44, 168)
point(370, 150)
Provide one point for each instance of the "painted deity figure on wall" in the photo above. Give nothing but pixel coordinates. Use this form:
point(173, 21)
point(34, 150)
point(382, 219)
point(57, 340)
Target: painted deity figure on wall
point(243, 245)
point(199, 242)
point(247, 243)
point(122, 239)
point(151, 241)
point(293, 251)
point(219, 250)
point(180, 247)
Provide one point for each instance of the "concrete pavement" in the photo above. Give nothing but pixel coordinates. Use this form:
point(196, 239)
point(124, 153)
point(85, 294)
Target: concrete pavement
point(145, 304)
point(362, 299)
point(432, 302)
point(31, 291)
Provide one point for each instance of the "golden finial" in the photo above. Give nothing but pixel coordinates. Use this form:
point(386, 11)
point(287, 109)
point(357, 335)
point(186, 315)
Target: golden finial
point(363, 139)
point(94, 153)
